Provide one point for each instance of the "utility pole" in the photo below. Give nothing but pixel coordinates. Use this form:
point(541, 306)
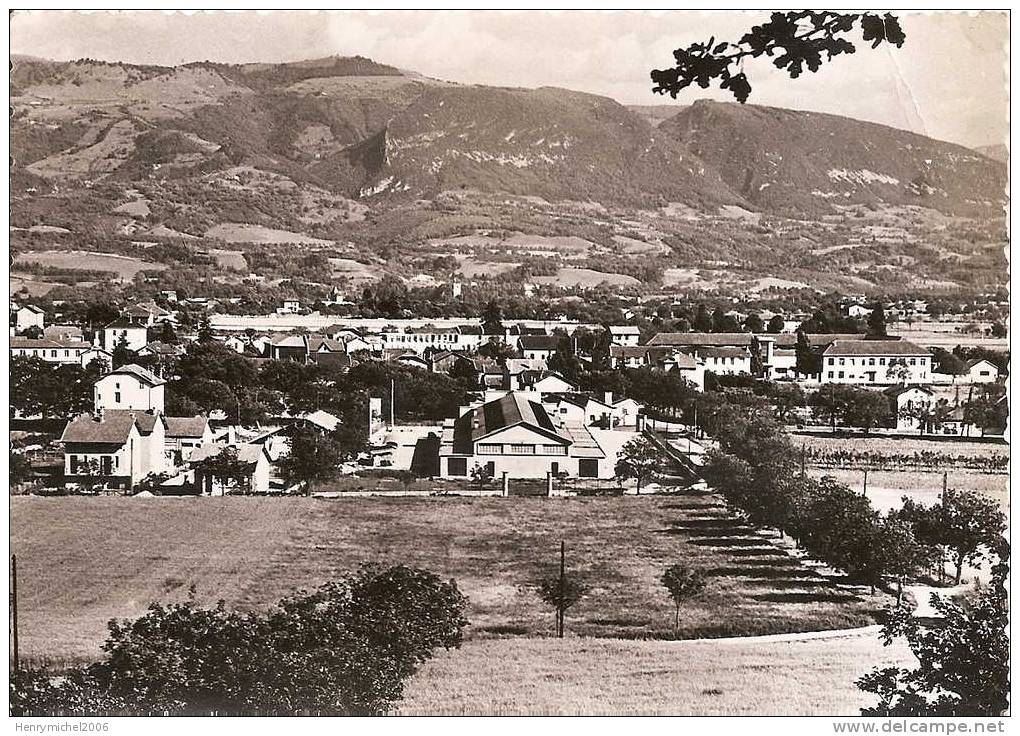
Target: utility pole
point(803, 457)
point(14, 611)
point(945, 483)
point(865, 491)
point(563, 557)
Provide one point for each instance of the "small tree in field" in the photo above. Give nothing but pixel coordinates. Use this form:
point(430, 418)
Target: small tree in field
point(966, 522)
point(639, 459)
point(683, 583)
point(898, 371)
point(561, 592)
point(313, 457)
point(481, 475)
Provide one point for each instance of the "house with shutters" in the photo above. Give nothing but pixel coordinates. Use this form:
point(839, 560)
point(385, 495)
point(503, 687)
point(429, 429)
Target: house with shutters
point(52, 351)
point(725, 361)
point(876, 363)
point(129, 387)
point(114, 448)
point(515, 435)
point(306, 348)
point(419, 339)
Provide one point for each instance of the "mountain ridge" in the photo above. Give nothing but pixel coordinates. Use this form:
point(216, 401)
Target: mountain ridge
point(346, 150)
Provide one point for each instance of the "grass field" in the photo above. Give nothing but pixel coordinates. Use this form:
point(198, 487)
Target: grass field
point(232, 259)
point(583, 277)
point(84, 560)
point(234, 232)
point(124, 266)
point(611, 677)
point(31, 285)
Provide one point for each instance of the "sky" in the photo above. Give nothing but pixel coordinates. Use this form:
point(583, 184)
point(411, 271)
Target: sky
point(949, 80)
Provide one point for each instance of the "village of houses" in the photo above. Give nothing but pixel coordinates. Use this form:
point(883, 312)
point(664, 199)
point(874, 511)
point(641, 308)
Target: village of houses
point(526, 422)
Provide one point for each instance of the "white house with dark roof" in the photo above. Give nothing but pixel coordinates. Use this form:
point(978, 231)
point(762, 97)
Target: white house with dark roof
point(905, 403)
point(184, 435)
point(515, 434)
point(624, 335)
point(724, 361)
point(254, 467)
point(538, 347)
point(147, 314)
point(26, 316)
point(105, 357)
point(134, 335)
point(129, 387)
point(52, 351)
point(580, 408)
point(876, 363)
point(118, 448)
point(982, 371)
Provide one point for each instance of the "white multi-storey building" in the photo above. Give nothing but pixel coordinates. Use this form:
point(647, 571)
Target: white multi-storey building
point(876, 363)
point(129, 387)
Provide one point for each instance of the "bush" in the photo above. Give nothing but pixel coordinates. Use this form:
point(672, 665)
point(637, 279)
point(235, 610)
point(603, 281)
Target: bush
point(344, 649)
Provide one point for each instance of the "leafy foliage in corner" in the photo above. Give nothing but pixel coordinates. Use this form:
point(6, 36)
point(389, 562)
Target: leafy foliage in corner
point(344, 649)
point(963, 662)
point(793, 40)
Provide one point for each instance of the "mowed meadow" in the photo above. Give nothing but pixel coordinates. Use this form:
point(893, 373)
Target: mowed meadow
point(613, 677)
point(82, 561)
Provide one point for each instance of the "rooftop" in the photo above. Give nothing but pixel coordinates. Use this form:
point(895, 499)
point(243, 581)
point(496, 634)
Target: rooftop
point(186, 426)
point(42, 343)
point(538, 342)
point(874, 347)
point(507, 411)
point(142, 374)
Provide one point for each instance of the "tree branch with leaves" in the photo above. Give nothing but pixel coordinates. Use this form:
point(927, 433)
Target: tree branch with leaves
point(792, 40)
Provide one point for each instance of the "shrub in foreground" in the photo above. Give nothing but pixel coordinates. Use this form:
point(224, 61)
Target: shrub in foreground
point(344, 649)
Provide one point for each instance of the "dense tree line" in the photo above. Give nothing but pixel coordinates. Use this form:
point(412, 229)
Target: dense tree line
point(211, 376)
point(756, 468)
point(347, 648)
point(51, 389)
